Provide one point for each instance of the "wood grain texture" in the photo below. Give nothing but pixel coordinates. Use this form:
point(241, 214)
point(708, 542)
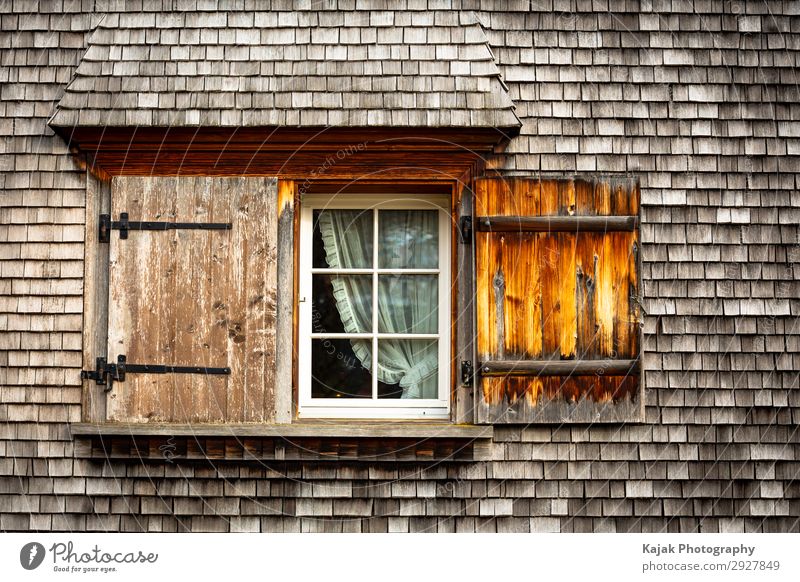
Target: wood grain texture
point(318, 429)
point(463, 307)
point(352, 153)
point(285, 301)
point(95, 296)
point(193, 297)
point(561, 295)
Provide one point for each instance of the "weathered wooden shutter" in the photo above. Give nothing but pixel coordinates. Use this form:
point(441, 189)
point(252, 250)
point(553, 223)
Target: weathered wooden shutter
point(557, 300)
point(194, 297)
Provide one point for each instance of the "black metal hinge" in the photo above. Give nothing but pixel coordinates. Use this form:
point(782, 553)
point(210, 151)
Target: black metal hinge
point(105, 373)
point(123, 225)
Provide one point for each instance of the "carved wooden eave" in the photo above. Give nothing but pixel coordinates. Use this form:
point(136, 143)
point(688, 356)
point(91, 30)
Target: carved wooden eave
point(298, 153)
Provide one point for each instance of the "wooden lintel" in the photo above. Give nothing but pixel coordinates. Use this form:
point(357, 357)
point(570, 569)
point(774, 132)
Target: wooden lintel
point(556, 223)
point(483, 137)
point(559, 367)
point(322, 153)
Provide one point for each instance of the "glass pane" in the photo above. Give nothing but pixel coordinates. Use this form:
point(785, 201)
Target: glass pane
point(408, 239)
point(409, 368)
point(408, 304)
point(336, 370)
point(343, 239)
point(341, 304)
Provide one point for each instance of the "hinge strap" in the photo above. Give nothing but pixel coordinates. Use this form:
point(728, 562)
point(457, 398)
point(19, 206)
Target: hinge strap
point(116, 372)
point(123, 225)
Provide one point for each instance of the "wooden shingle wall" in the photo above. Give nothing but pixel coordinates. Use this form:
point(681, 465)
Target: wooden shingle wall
point(698, 100)
point(42, 193)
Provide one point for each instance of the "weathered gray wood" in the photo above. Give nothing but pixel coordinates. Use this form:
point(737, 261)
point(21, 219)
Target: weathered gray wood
point(561, 411)
point(195, 298)
point(559, 367)
point(284, 350)
point(95, 296)
point(464, 309)
point(556, 223)
point(405, 429)
point(499, 288)
point(257, 212)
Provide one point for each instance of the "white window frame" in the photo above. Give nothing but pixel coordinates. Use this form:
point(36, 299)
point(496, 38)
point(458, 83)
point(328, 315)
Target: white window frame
point(357, 408)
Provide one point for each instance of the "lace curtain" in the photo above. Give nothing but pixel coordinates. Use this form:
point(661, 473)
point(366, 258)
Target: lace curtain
point(407, 239)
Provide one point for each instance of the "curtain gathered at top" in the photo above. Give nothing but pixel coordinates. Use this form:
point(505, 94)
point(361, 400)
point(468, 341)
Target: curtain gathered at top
point(407, 239)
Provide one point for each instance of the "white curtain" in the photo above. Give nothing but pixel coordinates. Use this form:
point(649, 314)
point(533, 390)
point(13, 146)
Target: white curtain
point(406, 303)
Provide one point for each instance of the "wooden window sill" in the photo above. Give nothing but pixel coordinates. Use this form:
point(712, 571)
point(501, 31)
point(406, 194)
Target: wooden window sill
point(301, 441)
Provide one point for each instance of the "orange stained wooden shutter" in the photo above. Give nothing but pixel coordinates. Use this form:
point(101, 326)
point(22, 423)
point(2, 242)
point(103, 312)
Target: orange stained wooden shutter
point(558, 311)
point(194, 298)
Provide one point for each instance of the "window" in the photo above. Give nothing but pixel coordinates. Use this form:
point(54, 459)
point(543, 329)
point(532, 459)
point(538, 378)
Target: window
point(547, 331)
point(374, 307)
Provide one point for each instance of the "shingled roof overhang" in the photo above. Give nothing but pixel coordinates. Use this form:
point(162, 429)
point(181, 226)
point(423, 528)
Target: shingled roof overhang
point(263, 93)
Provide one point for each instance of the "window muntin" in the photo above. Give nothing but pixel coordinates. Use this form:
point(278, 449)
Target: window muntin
point(374, 294)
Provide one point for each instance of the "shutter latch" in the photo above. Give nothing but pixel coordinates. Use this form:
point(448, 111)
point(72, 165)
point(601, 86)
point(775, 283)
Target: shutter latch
point(467, 373)
point(123, 225)
point(465, 228)
point(104, 373)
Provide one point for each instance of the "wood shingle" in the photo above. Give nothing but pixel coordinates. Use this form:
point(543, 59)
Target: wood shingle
point(156, 69)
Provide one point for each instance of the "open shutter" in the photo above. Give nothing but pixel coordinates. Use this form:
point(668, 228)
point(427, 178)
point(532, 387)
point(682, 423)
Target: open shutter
point(188, 297)
point(557, 276)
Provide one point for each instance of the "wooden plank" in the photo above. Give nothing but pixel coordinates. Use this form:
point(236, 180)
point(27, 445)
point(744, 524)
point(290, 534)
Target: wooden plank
point(463, 306)
point(233, 292)
point(284, 348)
point(556, 223)
point(129, 262)
point(201, 287)
point(151, 392)
point(258, 220)
point(95, 296)
point(185, 296)
point(523, 293)
point(368, 185)
point(560, 367)
point(565, 307)
point(168, 282)
point(361, 430)
point(548, 263)
point(223, 203)
point(407, 167)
